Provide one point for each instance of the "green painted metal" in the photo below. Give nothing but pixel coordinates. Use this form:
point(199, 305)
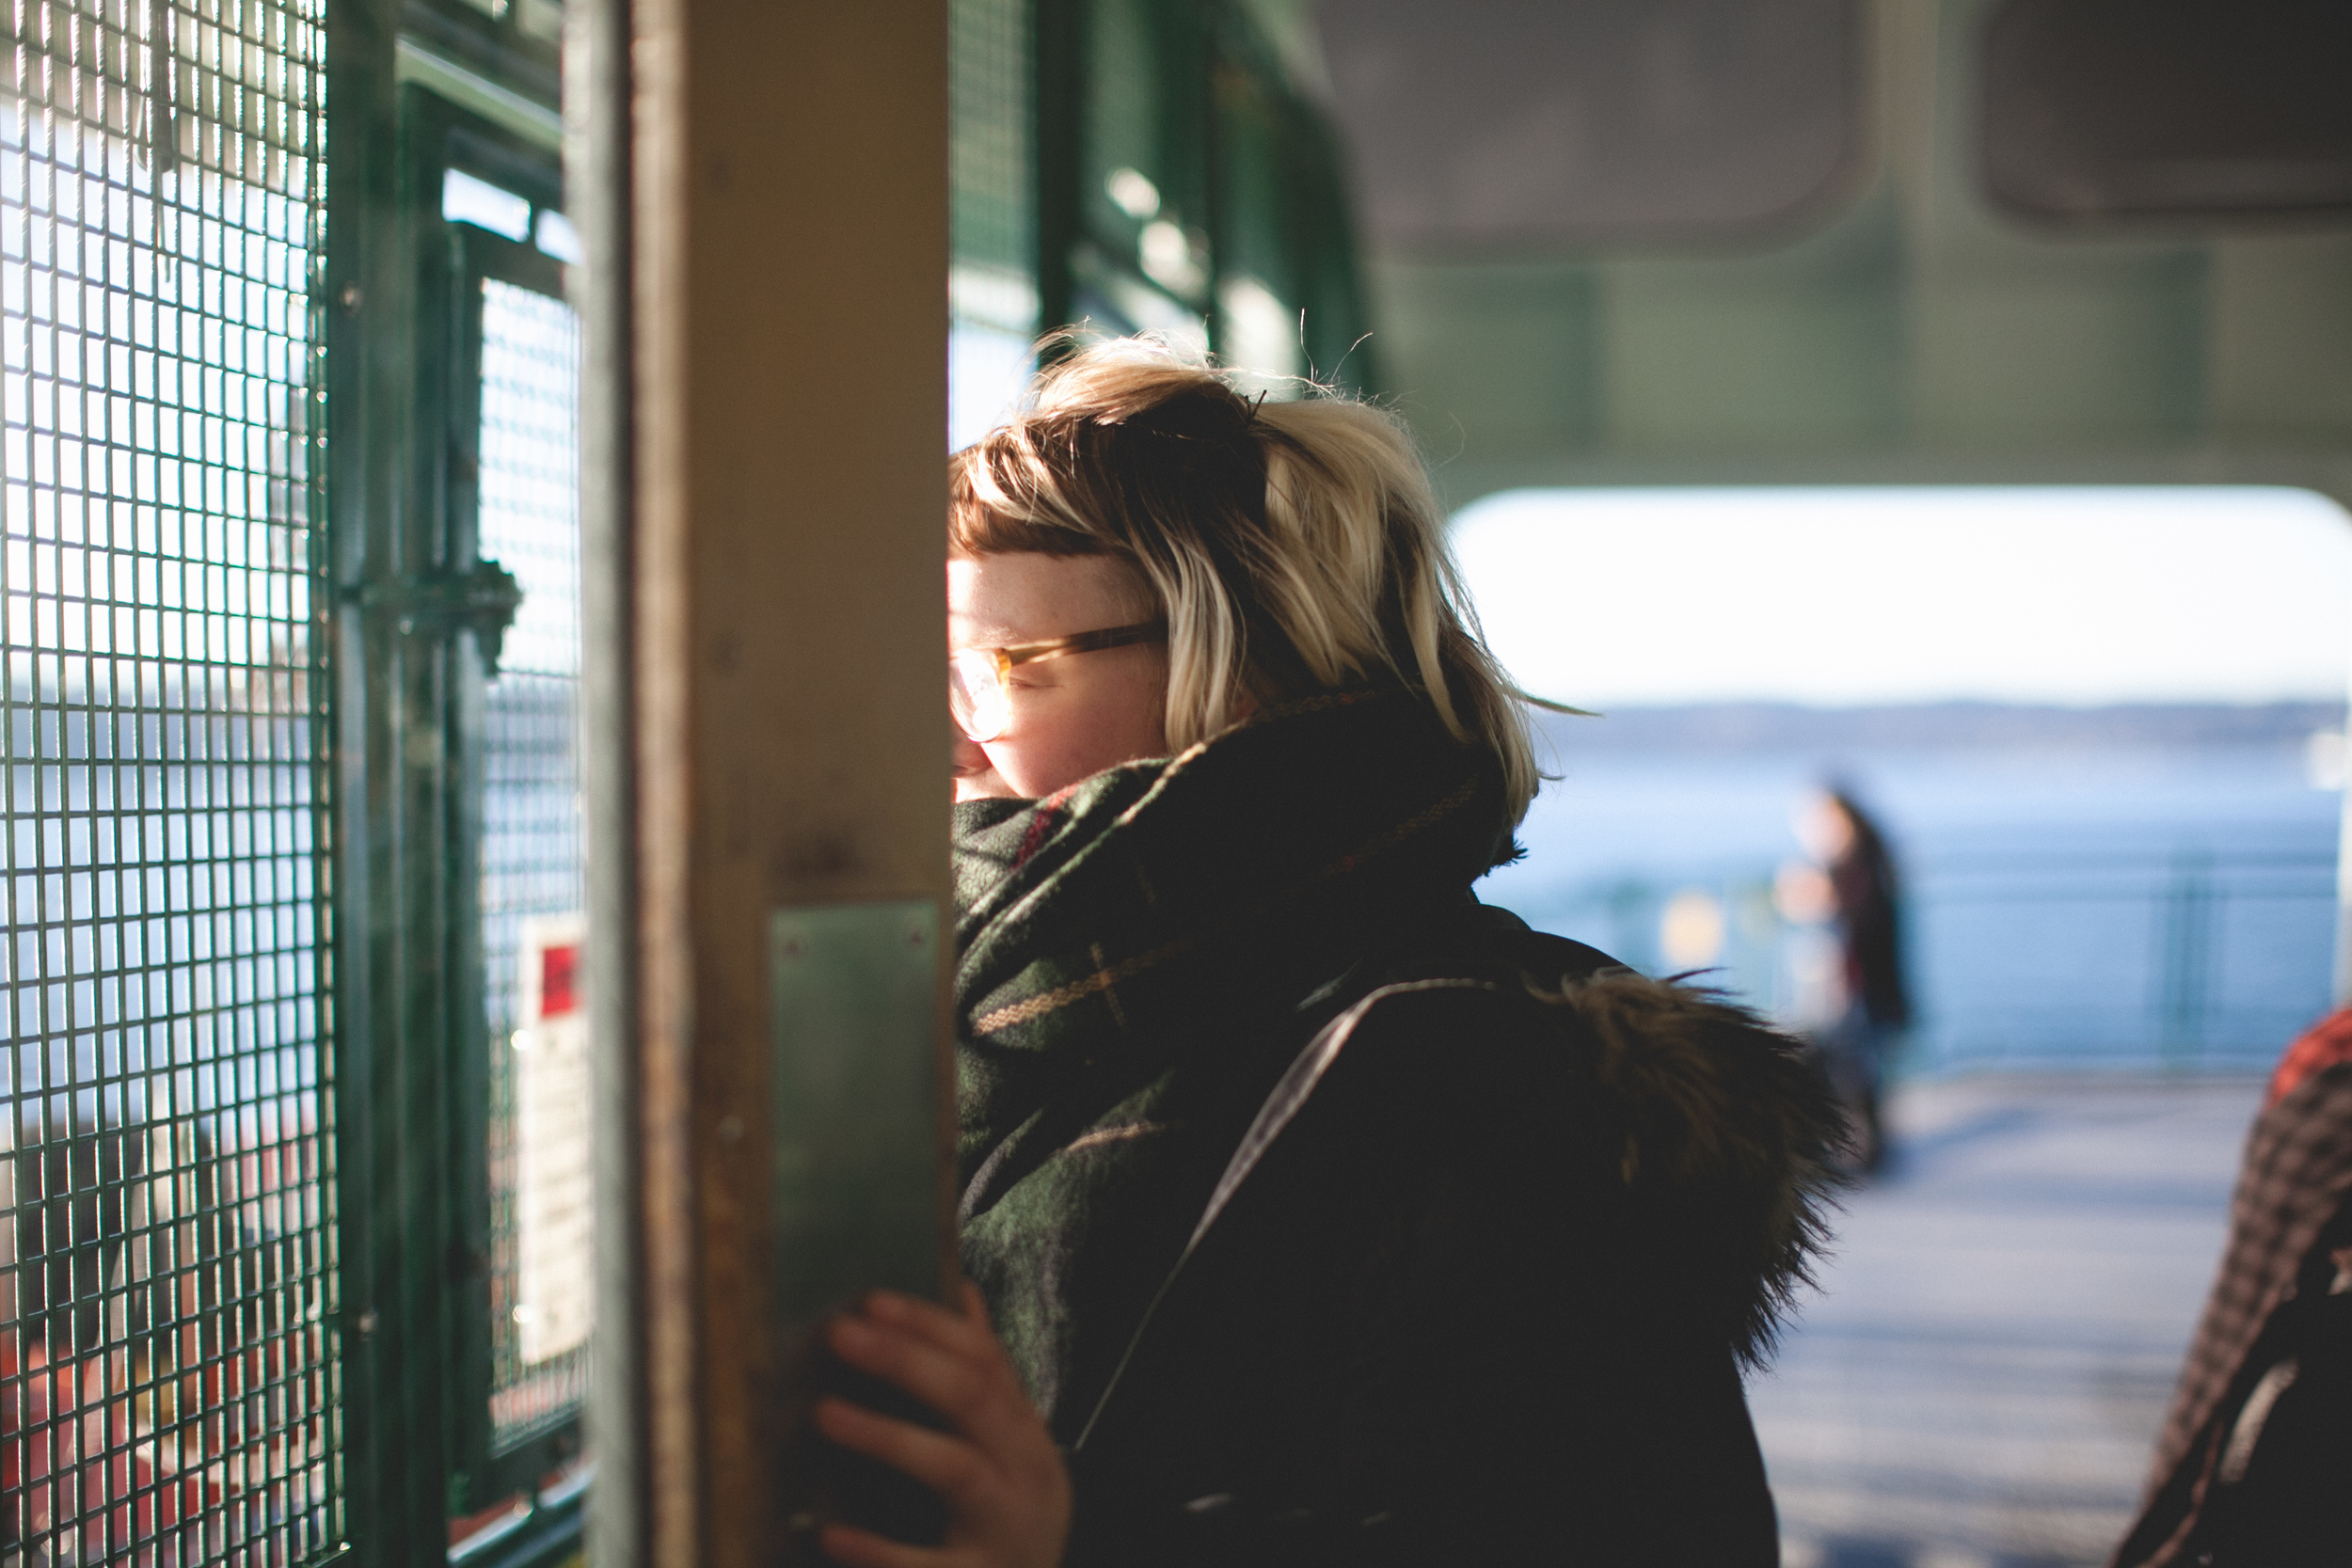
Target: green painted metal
point(401, 843)
point(1281, 222)
point(480, 600)
point(855, 993)
point(502, 106)
point(387, 1414)
point(421, 660)
point(1238, 241)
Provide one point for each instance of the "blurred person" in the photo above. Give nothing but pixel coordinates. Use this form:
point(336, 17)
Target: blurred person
point(1323, 1214)
point(1852, 885)
point(2254, 1468)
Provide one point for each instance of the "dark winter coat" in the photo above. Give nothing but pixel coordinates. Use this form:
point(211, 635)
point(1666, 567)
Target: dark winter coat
point(1478, 1286)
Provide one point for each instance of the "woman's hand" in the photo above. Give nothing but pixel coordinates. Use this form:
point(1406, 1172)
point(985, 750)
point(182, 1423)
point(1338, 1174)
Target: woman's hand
point(1007, 1492)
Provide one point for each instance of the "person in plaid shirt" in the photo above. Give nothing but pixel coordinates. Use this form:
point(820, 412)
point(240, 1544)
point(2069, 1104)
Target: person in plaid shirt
point(2255, 1465)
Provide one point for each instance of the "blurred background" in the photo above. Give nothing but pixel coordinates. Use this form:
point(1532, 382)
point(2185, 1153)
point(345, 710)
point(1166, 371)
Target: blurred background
point(1946, 402)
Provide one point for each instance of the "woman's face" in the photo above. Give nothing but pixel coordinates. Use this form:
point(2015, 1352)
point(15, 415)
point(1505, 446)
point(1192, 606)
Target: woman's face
point(1824, 828)
point(1072, 717)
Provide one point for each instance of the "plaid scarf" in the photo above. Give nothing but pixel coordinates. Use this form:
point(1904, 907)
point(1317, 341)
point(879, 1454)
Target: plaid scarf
point(1163, 899)
point(1143, 953)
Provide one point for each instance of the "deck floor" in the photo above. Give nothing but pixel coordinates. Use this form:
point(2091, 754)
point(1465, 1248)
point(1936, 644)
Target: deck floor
point(1981, 1382)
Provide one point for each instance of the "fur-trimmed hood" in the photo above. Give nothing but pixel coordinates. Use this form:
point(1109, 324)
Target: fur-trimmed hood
point(1724, 1137)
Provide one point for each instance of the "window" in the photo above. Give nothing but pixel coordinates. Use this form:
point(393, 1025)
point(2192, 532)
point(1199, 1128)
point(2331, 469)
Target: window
point(531, 897)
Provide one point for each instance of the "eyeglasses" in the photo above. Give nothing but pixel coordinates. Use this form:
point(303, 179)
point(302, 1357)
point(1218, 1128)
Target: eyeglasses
point(976, 693)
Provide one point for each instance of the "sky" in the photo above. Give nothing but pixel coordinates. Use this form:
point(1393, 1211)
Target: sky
point(2073, 595)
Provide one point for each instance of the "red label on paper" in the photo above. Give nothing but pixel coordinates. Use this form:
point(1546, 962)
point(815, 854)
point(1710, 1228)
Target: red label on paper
point(558, 973)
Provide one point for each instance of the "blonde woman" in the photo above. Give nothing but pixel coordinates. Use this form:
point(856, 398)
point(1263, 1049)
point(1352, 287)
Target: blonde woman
point(1324, 1214)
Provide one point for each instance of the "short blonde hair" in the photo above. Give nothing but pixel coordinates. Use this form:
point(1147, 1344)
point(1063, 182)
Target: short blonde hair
point(1293, 547)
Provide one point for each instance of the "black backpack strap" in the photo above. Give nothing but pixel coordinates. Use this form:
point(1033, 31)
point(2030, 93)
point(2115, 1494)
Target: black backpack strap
point(1281, 1107)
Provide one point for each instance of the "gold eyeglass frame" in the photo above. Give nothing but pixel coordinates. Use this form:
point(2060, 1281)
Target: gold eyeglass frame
point(1004, 660)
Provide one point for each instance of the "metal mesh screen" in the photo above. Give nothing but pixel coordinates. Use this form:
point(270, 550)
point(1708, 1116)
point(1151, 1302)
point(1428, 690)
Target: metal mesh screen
point(532, 891)
point(166, 1371)
point(992, 287)
point(989, 157)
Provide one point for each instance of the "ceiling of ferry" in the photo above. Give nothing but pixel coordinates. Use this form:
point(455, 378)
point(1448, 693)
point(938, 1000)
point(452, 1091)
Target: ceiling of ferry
point(1744, 240)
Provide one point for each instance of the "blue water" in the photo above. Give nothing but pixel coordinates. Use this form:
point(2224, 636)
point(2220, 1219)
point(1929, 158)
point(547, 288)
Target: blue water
point(2068, 906)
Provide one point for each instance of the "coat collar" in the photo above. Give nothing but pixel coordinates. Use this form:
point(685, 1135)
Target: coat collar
point(1181, 897)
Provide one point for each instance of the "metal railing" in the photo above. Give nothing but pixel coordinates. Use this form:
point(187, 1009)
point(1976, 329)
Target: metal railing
point(2195, 958)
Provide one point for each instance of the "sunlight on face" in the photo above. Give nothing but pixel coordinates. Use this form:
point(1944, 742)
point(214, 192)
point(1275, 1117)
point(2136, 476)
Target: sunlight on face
point(1073, 717)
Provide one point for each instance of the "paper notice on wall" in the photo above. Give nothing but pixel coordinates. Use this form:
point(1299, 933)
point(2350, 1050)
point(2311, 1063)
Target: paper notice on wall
point(554, 1203)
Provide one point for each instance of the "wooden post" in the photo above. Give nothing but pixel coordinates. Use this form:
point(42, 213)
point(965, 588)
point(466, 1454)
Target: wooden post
point(774, 633)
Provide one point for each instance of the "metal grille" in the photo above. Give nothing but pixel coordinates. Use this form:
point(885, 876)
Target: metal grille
point(989, 157)
point(168, 1381)
point(531, 890)
point(991, 288)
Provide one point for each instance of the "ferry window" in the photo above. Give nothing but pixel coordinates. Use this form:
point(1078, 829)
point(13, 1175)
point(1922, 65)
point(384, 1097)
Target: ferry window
point(532, 897)
point(2101, 728)
point(168, 1377)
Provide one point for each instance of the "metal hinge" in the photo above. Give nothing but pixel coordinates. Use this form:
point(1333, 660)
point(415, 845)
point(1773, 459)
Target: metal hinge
point(482, 601)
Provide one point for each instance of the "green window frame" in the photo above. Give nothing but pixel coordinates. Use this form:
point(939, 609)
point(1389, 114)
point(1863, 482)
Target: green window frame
point(517, 793)
point(449, 722)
